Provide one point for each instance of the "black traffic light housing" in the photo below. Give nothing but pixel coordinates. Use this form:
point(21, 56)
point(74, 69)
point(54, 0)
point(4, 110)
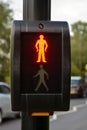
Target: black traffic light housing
point(38, 84)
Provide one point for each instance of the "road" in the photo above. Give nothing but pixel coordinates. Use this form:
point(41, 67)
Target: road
point(75, 119)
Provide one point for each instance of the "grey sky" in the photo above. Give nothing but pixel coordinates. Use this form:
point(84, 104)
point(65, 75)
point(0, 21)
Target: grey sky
point(61, 10)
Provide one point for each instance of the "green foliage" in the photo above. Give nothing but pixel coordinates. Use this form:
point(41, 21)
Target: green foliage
point(74, 70)
point(79, 48)
point(5, 27)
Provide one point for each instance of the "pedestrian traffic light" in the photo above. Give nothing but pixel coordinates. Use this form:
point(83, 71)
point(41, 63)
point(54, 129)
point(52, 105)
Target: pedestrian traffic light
point(40, 66)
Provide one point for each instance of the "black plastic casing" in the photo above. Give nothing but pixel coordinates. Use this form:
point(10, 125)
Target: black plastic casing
point(40, 102)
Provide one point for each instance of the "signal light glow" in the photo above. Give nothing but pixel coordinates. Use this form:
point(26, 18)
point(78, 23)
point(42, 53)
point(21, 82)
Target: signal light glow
point(41, 47)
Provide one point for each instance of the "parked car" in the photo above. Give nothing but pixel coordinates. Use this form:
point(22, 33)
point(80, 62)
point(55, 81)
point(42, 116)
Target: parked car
point(78, 86)
point(5, 102)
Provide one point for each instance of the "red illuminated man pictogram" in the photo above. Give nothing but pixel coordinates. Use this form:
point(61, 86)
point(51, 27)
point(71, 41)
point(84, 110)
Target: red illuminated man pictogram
point(41, 47)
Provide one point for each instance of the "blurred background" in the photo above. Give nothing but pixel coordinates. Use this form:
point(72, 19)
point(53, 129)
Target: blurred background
point(75, 13)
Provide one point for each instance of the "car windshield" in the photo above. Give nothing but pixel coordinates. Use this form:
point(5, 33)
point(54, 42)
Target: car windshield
point(4, 89)
point(75, 81)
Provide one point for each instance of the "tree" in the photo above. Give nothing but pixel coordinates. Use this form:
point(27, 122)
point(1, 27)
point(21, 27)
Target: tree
point(5, 27)
point(79, 46)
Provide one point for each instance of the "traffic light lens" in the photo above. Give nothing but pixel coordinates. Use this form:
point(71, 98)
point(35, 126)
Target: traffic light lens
point(41, 68)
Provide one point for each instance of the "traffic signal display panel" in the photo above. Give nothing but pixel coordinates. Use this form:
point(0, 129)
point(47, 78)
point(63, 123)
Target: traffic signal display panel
point(41, 62)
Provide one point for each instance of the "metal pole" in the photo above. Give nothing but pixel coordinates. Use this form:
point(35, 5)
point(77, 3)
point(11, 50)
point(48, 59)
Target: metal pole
point(34, 122)
point(35, 10)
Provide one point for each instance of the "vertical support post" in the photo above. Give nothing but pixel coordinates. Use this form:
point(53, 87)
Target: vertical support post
point(34, 122)
point(35, 10)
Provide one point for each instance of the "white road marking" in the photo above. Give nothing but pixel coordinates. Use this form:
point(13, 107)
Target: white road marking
point(74, 109)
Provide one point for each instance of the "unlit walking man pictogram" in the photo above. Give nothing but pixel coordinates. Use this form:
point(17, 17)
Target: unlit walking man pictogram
point(41, 74)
